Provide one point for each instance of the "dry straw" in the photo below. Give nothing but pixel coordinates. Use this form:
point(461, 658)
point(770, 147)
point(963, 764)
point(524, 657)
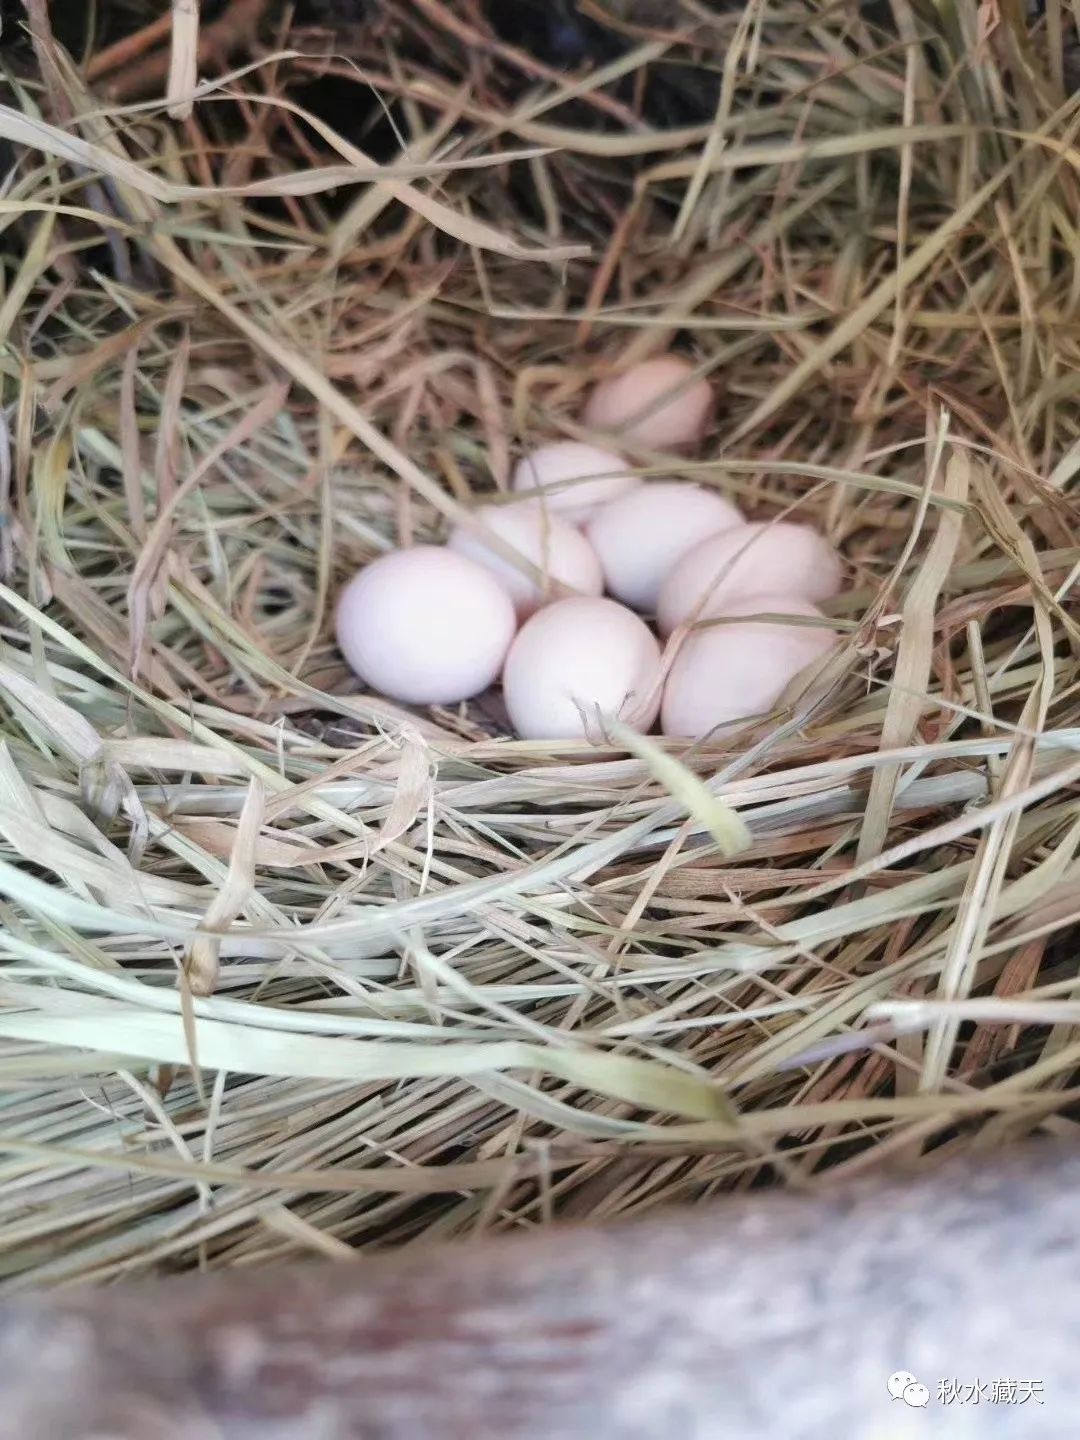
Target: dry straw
point(287, 969)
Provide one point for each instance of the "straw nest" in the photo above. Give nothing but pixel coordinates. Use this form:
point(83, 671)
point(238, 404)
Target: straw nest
point(288, 970)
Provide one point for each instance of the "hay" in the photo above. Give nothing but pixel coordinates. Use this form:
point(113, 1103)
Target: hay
point(287, 970)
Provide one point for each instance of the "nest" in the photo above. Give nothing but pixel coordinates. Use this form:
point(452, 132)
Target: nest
point(288, 969)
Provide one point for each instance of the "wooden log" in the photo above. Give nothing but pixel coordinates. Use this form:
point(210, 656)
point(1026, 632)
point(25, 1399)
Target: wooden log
point(767, 1315)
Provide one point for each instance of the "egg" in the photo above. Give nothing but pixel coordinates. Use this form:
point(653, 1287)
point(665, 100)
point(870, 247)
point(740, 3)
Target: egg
point(737, 669)
point(778, 558)
point(640, 536)
point(559, 552)
point(574, 478)
point(577, 663)
point(660, 404)
point(425, 625)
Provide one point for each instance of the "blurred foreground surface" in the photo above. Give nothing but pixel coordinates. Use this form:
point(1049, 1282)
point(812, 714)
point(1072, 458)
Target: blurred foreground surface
point(764, 1316)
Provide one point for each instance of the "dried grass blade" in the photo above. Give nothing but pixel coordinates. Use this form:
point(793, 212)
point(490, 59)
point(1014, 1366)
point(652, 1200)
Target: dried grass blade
point(310, 376)
point(145, 574)
point(158, 1038)
point(412, 792)
point(338, 1180)
point(982, 898)
point(883, 294)
point(723, 823)
point(201, 967)
point(183, 59)
point(65, 728)
point(914, 658)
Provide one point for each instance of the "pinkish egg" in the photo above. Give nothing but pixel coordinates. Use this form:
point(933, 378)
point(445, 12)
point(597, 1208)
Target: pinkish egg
point(640, 536)
point(779, 559)
point(572, 478)
point(578, 663)
point(736, 669)
point(659, 404)
point(425, 625)
point(559, 551)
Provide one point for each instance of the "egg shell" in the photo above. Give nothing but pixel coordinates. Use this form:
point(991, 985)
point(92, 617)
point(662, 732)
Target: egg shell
point(737, 669)
point(641, 536)
point(777, 558)
point(659, 404)
point(425, 625)
point(578, 662)
point(561, 472)
point(559, 551)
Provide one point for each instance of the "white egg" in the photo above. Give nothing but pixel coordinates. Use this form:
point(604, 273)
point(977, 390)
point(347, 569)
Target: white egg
point(777, 558)
point(640, 536)
point(573, 478)
point(659, 404)
point(425, 625)
point(577, 663)
point(734, 670)
point(561, 554)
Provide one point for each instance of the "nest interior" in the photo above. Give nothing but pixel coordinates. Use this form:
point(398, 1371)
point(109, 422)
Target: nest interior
point(290, 970)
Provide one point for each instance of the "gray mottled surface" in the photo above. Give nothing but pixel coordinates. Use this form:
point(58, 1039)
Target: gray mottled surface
point(764, 1316)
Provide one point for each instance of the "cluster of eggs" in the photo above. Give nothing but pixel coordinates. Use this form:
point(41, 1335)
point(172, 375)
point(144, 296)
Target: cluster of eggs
point(518, 589)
